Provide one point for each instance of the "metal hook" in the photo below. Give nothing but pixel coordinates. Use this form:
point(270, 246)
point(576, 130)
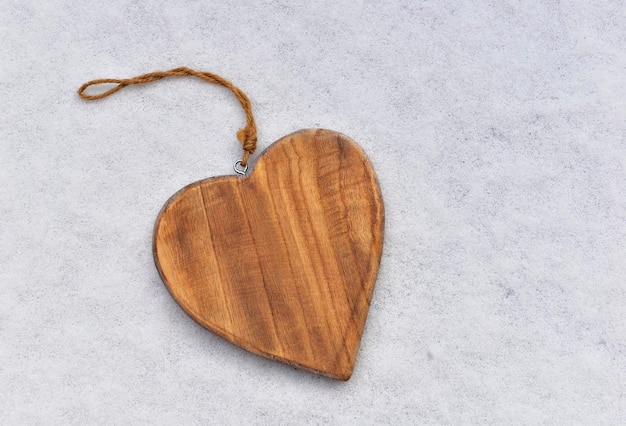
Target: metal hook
point(242, 170)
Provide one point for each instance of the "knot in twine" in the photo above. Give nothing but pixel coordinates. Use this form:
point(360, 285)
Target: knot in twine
point(247, 136)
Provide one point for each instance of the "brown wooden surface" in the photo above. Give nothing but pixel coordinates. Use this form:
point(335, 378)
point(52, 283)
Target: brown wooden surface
point(281, 262)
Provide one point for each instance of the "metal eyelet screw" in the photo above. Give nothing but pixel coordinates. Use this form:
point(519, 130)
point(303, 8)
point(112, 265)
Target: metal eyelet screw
point(239, 169)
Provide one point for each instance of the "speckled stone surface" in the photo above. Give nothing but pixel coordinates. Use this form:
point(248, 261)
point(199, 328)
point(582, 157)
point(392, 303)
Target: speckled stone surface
point(498, 134)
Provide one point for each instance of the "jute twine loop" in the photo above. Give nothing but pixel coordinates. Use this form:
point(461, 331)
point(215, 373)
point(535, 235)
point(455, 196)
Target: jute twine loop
point(247, 135)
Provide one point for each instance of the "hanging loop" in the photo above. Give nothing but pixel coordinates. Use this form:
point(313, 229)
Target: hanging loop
point(247, 136)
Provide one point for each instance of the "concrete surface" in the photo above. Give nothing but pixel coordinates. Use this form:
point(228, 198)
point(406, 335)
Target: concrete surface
point(498, 133)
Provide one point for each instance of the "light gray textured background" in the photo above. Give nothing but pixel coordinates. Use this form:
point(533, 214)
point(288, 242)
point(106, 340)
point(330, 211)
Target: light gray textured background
point(498, 133)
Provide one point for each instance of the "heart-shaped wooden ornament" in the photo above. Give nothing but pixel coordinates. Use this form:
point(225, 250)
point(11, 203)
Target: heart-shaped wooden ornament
point(281, 262)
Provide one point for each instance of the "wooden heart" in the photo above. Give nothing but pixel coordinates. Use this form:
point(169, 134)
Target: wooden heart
point(282, 262)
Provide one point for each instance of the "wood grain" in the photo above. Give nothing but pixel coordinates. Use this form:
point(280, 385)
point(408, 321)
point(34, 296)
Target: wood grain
point(281, 262)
